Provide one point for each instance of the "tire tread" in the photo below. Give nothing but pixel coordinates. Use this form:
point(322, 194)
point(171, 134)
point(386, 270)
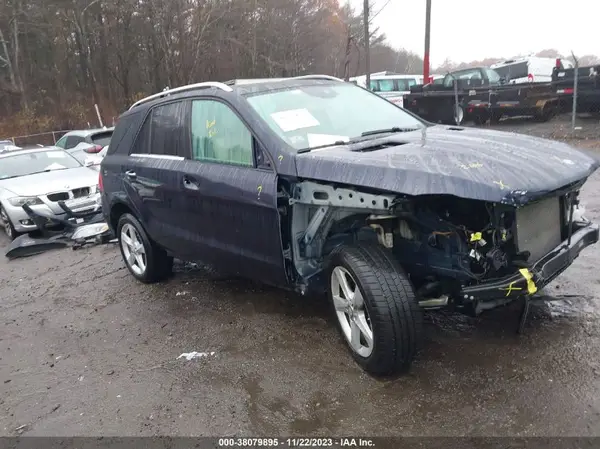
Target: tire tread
point(394, 309)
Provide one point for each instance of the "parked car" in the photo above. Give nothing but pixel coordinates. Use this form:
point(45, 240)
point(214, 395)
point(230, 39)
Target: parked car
point(41, 178)
point(317, 185)
point(392, 86)
point(482, 95)
point(93, 140)
point(7, 145)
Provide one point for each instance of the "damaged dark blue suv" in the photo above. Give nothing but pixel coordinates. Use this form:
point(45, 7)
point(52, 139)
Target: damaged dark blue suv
point(318, 185)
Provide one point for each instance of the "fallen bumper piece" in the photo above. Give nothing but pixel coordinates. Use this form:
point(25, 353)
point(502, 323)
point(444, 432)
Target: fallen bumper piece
point(77, 230)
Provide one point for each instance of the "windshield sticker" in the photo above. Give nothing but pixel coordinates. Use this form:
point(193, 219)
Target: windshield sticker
point(55, 155)
point(55, 166)
point(294, 119)
point(316, 140)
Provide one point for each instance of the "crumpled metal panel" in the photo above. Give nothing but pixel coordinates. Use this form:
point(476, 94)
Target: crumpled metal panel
point(484, 165)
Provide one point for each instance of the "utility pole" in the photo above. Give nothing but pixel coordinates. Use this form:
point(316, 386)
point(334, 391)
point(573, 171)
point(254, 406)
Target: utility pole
point(427, 33)
point(367, 43)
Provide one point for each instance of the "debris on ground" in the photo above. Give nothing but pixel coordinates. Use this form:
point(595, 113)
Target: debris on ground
point(195, 355)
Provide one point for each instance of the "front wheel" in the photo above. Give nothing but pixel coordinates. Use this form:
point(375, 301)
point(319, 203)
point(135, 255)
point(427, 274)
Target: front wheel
point(375, 308)
point(7, 225)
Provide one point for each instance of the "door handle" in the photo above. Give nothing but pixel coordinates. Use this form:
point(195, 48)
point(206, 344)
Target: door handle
point(131, 174)
point(189, 184)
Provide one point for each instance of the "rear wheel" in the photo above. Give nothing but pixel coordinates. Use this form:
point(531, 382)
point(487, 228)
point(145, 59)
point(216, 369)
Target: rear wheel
point(145, 260)
point(481, 118)
point(547, 112)
point(495, 118)
point(375, 308)
point(7, 225)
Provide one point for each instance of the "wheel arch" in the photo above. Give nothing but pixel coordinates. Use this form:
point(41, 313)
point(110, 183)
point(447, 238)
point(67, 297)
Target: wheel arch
point(116, 212)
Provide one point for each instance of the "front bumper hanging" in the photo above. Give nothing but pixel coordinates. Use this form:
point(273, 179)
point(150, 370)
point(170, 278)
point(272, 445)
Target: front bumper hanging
point(528, 281)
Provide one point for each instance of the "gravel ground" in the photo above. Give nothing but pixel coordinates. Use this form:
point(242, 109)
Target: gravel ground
point(86, 350)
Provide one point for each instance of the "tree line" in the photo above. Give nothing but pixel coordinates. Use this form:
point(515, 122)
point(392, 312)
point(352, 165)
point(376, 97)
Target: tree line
point(60, 57)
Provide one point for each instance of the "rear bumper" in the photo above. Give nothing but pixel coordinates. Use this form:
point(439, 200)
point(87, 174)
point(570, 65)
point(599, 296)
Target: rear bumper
point(529, 281)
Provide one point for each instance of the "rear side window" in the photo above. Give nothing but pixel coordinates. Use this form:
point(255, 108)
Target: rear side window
point(163, 132)
point(386, 85)
point(124, 133)
point(513, 71)
point(73, 141)
point(219, 135)
point(404, 84)
point(167, 132)
point(142, 143)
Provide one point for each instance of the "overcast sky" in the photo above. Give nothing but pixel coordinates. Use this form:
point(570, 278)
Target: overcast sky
point(490, 28)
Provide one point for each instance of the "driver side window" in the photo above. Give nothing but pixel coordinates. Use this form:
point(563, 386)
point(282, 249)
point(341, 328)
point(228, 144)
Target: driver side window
point(219, 135)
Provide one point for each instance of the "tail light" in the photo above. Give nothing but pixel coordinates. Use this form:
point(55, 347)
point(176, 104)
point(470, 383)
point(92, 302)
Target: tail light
point(530, 77)
point(94, 149)
point(558, 63)
point(100, 183)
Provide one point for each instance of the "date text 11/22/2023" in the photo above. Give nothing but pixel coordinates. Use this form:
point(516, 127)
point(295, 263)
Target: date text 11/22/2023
point(296, 442)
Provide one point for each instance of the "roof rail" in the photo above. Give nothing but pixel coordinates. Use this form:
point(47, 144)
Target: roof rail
point(164, 93)
point(317, 77)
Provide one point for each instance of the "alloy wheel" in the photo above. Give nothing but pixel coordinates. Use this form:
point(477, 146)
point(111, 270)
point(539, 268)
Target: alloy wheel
point(351, 312)
point(6, 223)
point(133, 249)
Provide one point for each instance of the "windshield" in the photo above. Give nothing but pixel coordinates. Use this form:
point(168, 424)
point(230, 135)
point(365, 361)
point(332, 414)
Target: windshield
point(35, 162)
point(317, 115)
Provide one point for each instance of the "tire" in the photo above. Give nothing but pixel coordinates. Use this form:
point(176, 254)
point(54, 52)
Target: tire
point(495, 118)
point(390, 308)
point(150, 262)
point(546, 114)
point(7, 225)
point(481, 118)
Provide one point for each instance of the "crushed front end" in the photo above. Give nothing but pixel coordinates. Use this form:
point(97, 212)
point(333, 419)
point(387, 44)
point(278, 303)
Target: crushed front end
point(479, 255)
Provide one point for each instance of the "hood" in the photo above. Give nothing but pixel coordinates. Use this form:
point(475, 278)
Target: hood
point(54, 181)
point(470, 163)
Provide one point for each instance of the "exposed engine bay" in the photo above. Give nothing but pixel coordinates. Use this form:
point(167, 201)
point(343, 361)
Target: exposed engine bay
point(443, 242)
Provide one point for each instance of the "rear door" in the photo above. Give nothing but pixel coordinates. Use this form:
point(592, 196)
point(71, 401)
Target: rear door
point(152, 174)
point(229, 195)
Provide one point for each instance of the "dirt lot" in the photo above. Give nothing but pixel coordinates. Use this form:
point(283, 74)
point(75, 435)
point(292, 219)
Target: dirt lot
point(86, 350)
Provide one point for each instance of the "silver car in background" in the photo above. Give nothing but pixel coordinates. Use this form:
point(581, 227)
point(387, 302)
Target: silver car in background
point(41, 178)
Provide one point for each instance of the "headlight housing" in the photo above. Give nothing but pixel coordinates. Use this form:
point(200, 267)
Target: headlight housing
point(20, 201)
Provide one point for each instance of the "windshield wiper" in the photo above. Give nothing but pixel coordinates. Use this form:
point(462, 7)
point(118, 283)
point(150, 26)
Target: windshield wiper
point(334, 144)
point(387, 131)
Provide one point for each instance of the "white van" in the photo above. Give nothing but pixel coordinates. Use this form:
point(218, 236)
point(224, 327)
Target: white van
point(531, 69)
point(392, 87)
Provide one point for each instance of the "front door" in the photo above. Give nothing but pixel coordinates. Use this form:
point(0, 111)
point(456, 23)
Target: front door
point(231, 214)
